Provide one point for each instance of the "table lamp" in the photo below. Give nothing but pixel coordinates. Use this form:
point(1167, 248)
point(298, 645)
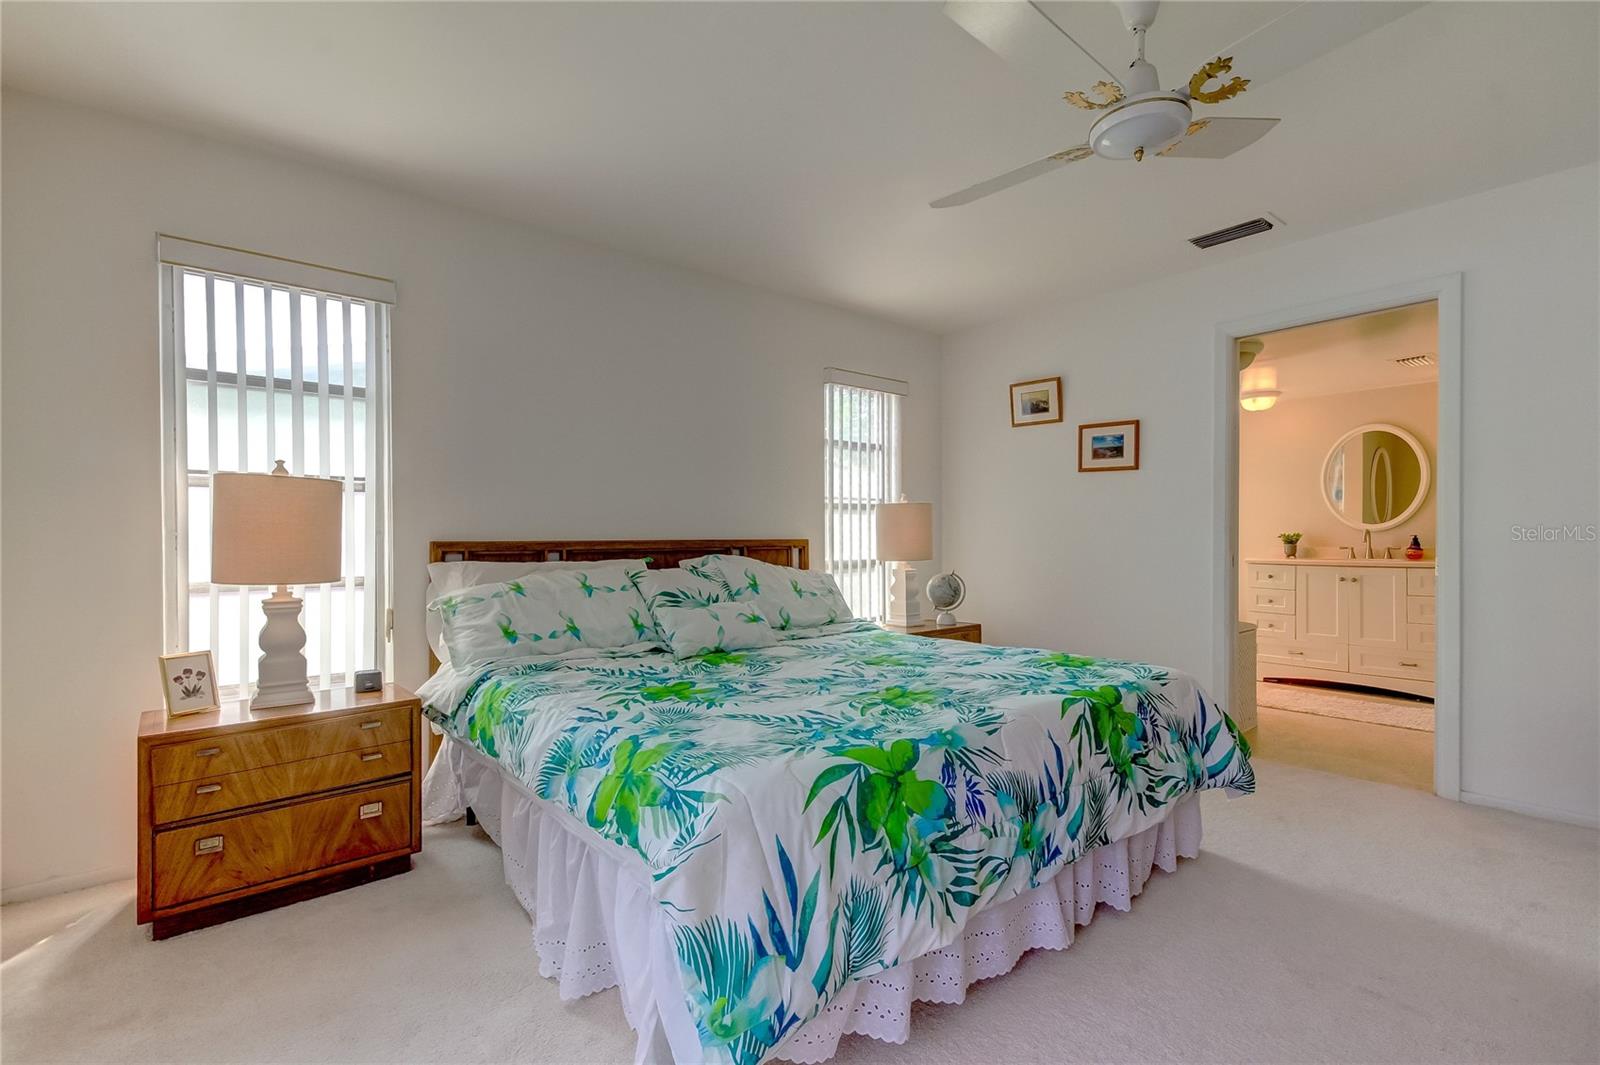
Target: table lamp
point(276, 530)
point(905, 534)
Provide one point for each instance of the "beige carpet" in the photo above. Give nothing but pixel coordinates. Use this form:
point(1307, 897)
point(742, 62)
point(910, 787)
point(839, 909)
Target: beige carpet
point(1375, 709)
point(1327, 920)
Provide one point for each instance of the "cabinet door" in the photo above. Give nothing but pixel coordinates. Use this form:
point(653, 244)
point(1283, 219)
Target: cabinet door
point(1377, 607)
point(1322, 609)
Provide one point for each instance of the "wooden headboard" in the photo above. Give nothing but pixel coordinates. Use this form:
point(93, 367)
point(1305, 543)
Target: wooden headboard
point(663, 554)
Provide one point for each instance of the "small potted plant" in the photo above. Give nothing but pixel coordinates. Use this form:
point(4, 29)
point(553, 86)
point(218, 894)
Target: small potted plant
point(1290, 540)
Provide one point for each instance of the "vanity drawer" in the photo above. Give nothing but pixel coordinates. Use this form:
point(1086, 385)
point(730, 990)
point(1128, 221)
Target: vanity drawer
point(1421, 610)
point(1267, 575)
point(1271, 600)
point(1314, 654)
point(1279, 625)
point(171, 763)
point(254, 849)
point(1421, 638)
point(1412, 665)
point(215, 794)
point(1419, 582)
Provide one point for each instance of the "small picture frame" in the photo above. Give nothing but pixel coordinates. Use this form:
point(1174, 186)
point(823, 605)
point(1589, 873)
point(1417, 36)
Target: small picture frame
point(1036, 402)
point(189, 682)
point(1105, 447)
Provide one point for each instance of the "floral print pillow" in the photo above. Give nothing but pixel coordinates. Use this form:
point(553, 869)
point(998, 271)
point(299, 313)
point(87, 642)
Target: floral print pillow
point(544, 614)
point(791, 598)
point(713, 628)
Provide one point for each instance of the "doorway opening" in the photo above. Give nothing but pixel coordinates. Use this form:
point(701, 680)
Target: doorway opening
point(1341, 523)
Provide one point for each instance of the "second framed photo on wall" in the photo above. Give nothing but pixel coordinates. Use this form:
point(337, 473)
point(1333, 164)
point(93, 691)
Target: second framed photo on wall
point(1108, 446)
point(1036, 402)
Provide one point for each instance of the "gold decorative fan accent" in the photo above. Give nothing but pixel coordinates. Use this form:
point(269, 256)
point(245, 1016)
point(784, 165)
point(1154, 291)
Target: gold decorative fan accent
point(1194, 127)
point(1215, 69)
point(1072, 155)
point(1110, 92)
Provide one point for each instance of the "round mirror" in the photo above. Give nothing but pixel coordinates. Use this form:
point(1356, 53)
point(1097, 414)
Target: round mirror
point(1375, 477)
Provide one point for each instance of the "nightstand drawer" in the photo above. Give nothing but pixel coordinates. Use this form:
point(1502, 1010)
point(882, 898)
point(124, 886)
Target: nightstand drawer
point(254, 849)
point(171, 763)
point(215, 794)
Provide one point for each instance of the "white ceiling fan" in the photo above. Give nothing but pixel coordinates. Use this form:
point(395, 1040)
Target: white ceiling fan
point(1138, 118)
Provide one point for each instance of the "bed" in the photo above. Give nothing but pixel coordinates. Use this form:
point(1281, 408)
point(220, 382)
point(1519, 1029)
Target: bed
point(768, 849)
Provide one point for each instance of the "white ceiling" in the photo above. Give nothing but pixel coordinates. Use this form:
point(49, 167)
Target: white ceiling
point(796, 146)
point(1353, 354)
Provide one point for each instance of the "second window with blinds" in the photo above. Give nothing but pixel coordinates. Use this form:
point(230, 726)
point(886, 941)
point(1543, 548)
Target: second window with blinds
point(861, 468)
point(258, 371)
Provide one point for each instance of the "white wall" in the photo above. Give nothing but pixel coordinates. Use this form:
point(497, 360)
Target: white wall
point(542, 388)
point(1124, 563)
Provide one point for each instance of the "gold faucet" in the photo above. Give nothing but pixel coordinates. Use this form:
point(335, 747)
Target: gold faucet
point(1366, 540)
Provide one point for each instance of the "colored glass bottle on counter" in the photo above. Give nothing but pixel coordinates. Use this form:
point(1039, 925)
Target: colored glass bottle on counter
point(1414, 550)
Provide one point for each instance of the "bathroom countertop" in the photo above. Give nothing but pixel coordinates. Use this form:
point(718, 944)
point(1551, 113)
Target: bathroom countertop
point(1401, 562)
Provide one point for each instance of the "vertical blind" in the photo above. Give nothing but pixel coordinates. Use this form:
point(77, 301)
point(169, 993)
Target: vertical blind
point(861, 463)
point(259, 371)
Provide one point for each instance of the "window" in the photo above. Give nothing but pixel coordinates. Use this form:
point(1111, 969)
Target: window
point(267, 359)
point(861, 467)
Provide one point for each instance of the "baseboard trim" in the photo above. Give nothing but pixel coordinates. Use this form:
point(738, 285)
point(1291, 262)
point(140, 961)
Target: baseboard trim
point(1530, 809)
point(60, 885)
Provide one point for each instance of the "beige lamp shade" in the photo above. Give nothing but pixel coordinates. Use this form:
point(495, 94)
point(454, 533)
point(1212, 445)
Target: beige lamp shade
point(271, 528)
point(905, 532)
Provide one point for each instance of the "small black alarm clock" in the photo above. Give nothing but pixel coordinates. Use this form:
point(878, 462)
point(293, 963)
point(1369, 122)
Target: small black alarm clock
point(369, 680)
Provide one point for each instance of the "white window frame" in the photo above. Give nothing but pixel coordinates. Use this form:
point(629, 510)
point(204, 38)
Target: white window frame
point(850, 555)
point(177, 256)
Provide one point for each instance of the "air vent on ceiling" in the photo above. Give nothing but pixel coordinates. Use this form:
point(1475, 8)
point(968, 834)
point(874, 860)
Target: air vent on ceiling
point(1238, 232)
point(1424, 359)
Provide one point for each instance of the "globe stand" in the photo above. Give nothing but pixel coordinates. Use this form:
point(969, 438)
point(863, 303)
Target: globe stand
point(946, 591)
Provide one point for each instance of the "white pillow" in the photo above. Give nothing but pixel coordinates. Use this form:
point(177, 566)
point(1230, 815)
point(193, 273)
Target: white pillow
point(791, 598)
point(543, 613)
point(448, 578)
point(704, 628)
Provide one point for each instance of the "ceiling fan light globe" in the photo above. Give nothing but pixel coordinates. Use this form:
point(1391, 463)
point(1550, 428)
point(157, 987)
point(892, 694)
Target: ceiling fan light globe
point(1259, 399)
point(1153, 124)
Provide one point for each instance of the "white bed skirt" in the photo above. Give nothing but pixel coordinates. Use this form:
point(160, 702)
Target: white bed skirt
point(595, 925)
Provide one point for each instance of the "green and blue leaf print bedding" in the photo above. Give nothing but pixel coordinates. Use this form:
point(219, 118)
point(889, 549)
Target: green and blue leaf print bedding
point(818, 811)
point(545, 613)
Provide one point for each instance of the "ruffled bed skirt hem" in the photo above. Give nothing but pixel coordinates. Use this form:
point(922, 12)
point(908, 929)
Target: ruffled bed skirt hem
point(595, 925)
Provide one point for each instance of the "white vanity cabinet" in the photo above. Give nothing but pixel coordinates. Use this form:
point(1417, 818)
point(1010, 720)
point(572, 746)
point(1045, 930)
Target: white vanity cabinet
point(1346, 620)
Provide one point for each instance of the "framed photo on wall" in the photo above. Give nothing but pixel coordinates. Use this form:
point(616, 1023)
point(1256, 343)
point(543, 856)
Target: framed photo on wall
point(1107, 446)
point(1036, 402)
point(189, 681)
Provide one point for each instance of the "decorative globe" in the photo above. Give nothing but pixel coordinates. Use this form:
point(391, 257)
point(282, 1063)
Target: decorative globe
point(946, 591)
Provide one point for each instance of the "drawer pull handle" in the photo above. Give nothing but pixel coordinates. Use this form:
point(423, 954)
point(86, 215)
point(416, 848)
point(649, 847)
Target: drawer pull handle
point(208, 845)
point(207, 789)
point(1297, 652)
point(1412, 665)
point(371, 725)
point(371, 809)
point(207, 752)
point(375, 756)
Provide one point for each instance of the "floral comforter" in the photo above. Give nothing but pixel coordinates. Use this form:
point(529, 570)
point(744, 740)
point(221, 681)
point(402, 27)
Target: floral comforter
point(816, 812)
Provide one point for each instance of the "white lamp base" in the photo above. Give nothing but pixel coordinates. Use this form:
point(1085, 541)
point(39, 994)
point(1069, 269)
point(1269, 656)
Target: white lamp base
point(281, 669)
point(905, 602)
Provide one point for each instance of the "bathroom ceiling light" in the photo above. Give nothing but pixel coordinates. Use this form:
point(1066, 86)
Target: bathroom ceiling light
point(1258, 387)
point(1258, 399)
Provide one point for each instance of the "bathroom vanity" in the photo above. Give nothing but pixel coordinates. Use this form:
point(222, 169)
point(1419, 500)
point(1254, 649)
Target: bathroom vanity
point(1351, 621)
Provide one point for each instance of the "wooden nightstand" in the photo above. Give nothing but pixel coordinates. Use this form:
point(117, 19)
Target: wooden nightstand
point(242, 811)
point(968, 631)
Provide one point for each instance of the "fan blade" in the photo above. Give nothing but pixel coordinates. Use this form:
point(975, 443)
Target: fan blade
point(1015, 177)
point(1302, 34)
point(1031, 42)
point(1218, 138)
